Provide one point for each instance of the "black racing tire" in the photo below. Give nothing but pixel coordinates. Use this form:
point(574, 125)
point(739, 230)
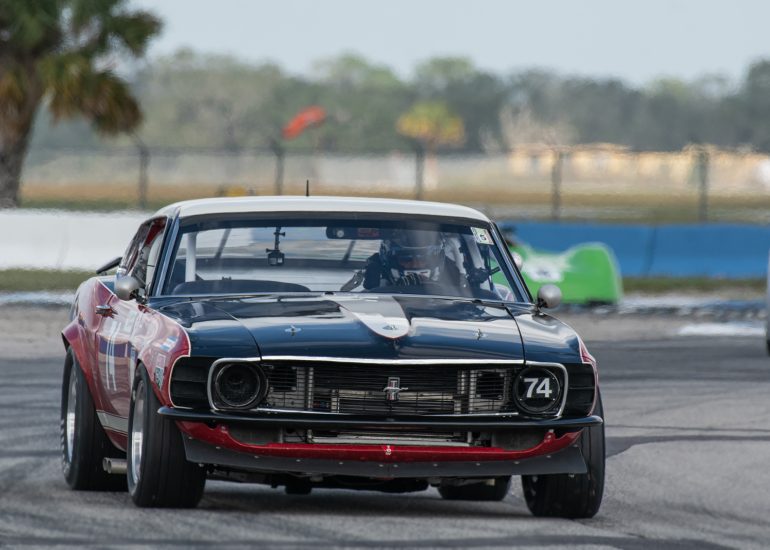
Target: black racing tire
point(478, 491)
point(84, 444)
point(159, 475)
point(571, 495)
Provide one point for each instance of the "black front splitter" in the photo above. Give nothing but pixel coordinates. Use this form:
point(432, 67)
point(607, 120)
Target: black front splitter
point(566, 461)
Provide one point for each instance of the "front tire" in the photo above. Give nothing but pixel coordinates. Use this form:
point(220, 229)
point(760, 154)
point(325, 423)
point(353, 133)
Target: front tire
point(159, 475)
point(478, 491)
point(84, 444)
point(571, 495)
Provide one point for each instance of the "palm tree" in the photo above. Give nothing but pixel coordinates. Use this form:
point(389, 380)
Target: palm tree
point(431, 124)
point(60, 53)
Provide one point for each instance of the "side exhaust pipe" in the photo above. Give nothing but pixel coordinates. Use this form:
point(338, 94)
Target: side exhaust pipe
point(114, 465)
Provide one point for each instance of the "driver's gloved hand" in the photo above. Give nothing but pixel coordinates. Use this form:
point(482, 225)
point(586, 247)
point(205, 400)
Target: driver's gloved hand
point(410, 279)
point(478, 275)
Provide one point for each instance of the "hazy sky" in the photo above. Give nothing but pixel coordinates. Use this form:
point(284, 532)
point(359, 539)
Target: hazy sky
point(637, 41)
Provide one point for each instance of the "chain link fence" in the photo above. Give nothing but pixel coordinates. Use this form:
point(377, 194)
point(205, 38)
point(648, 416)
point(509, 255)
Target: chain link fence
point(592, 182)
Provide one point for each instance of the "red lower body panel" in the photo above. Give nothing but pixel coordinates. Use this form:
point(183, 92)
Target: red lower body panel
point(221, 437)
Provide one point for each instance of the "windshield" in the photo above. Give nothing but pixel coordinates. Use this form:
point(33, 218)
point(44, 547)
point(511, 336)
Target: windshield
point(339, 255)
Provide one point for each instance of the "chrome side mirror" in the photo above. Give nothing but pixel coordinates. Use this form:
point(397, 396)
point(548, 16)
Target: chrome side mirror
point(126, 287)
point(548, 296)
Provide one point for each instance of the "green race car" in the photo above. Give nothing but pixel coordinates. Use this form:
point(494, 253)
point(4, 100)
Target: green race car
point(586, 273)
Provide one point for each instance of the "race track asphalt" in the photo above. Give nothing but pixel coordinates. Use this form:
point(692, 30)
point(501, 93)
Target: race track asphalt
point(688, 426)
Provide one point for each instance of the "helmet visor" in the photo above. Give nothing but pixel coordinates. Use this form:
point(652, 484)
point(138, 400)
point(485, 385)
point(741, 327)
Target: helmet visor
point(423, 257)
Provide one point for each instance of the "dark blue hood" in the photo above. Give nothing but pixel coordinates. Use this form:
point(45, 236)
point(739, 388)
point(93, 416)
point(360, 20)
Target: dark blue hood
point(371, 327)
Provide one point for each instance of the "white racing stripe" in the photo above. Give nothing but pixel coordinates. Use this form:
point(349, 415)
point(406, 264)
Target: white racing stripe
point(113, 422)
point(382, 315)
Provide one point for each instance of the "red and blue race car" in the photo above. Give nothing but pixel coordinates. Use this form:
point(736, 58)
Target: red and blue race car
point(324, 343)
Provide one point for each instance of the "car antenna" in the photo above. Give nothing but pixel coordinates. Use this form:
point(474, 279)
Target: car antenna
point(307, 188)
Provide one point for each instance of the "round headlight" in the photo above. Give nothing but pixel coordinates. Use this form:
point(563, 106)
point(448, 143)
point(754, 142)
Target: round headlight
point(537, 390)
point(239, 385)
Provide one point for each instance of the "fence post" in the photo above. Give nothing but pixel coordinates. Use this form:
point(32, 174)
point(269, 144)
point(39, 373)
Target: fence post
point(280, 153)
point(144, 163)
point(703, 184)
point(556, 173)
point(419, 170)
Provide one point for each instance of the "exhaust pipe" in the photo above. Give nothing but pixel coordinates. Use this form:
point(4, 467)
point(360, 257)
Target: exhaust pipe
point(114, 465)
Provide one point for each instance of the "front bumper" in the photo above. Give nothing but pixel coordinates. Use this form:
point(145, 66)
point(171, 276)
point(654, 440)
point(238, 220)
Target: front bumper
point(208, 440)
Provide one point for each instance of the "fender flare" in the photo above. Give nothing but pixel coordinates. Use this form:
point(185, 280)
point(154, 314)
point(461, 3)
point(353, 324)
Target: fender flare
point(142, 362)
point(72, 338)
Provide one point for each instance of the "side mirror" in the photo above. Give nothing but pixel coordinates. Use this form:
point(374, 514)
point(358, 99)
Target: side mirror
point(126, 287)
point(548, 296)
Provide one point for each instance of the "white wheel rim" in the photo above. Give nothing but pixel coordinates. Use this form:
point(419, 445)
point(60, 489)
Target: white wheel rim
point(70, 419)
point(137, 432)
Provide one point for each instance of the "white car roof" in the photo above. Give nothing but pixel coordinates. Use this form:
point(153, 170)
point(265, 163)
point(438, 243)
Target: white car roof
point(239, 205)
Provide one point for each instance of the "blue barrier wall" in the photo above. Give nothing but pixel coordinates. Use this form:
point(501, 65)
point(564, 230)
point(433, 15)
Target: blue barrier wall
point(711, 250)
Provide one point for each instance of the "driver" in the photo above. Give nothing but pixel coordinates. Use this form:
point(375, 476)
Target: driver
point(410, 257)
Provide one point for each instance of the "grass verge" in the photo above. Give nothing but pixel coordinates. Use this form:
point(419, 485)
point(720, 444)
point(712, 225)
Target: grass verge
point(21, 280)
point(655, 285)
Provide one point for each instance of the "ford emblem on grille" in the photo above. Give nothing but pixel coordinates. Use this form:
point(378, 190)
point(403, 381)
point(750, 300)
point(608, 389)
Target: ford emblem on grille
point(392, 389)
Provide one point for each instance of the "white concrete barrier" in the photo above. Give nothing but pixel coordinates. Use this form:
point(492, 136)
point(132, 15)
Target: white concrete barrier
point(58, 239)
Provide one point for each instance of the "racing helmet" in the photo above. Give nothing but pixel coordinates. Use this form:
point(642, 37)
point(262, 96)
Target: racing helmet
point(412, 251)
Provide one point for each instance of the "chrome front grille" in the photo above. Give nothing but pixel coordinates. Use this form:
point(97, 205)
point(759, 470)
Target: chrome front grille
point(345, 386)
point(361, 388)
